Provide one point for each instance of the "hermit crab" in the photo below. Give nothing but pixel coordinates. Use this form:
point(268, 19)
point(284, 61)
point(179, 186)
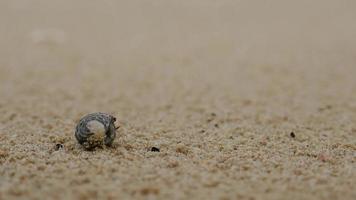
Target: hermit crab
point(95, 130)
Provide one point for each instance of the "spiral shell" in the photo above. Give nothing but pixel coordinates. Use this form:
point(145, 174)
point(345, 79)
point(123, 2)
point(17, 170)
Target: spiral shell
point(96, 129)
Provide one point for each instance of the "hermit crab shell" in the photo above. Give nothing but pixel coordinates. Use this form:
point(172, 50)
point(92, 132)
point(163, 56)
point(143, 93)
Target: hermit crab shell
point(96, 129)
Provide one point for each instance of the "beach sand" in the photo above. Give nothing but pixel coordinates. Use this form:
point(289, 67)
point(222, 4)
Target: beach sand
point(244, 99)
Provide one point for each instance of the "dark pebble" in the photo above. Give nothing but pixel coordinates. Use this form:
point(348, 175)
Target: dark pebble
point(155, 149)
point(292, 134)
point(58, 147)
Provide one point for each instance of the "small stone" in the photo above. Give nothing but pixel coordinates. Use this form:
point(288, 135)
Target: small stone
point(58, 147)
point(155, 149)
point(292, 134)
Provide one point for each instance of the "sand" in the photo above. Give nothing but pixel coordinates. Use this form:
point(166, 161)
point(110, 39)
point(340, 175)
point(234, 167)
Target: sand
point(219, 87)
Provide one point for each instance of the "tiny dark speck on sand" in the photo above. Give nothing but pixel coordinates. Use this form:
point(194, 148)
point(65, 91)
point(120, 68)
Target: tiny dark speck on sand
point(58, 147)
point(292, 134)
point(155, 149)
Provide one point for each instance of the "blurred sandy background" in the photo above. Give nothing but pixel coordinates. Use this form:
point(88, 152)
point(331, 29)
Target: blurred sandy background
point(218, 86)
